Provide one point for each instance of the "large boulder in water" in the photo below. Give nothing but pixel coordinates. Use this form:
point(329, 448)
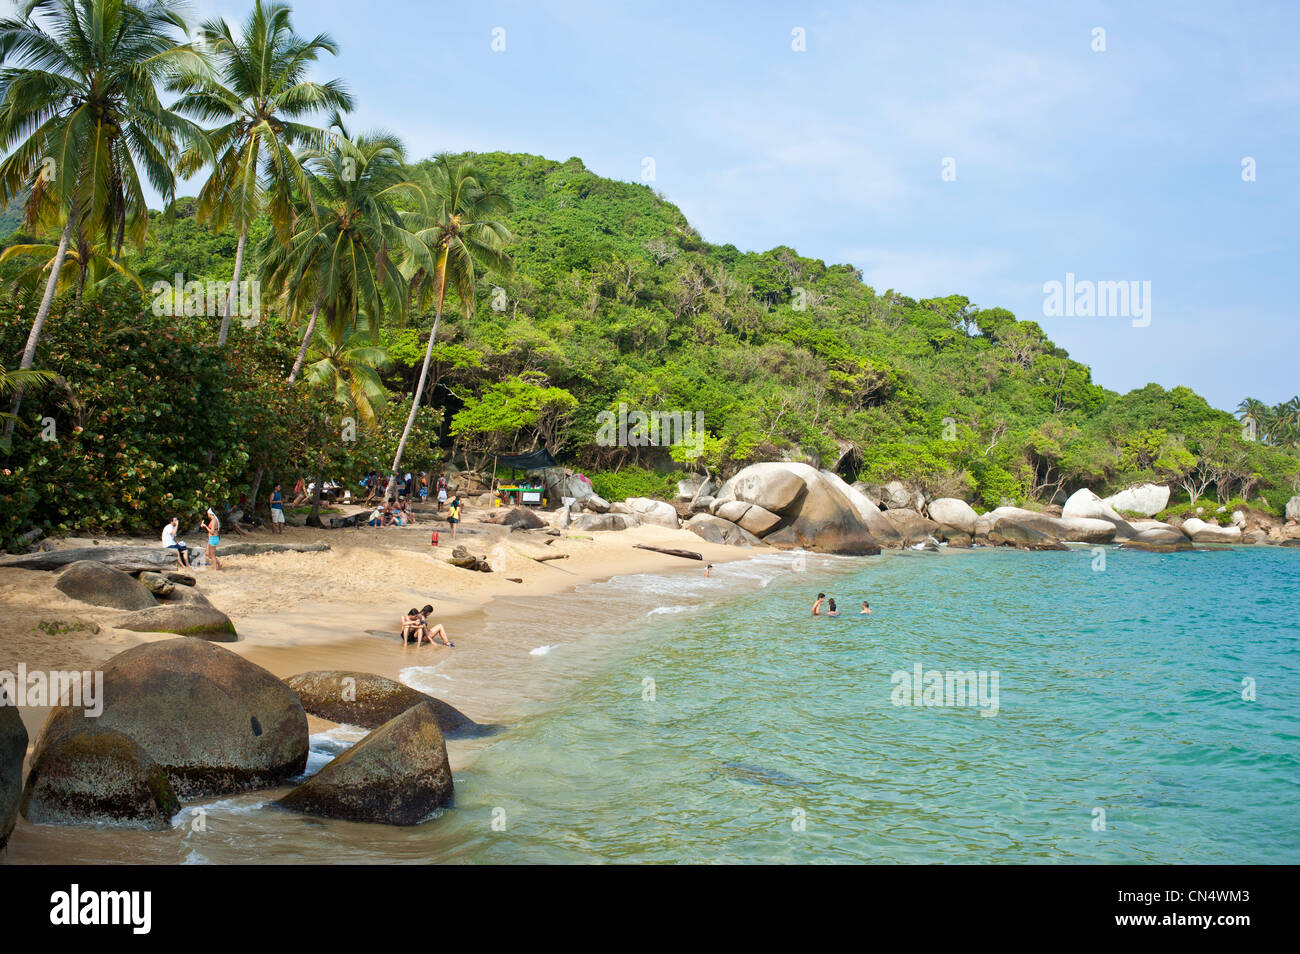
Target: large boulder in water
point(186, 613)
point(95, 775)
point(911, 526)
point(370, 700)
point(1202, 532)
point(1084, 503)
point(1012, 531)
point(816, 514)
point(953, 514)
point(215, 722)
point(13, 749)
point(1163, 539)
point(883, 531)
point(1146, 499)
point(396, 775)
point(102, 585)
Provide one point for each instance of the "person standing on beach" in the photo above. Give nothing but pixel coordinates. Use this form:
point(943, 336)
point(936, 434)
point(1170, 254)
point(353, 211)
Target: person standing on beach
point(442, 491)
point(277, 510)
point(213, 526)
point(817, 606)
point(453, 514)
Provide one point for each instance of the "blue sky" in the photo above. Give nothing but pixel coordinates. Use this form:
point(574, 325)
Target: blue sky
point(1117, 165)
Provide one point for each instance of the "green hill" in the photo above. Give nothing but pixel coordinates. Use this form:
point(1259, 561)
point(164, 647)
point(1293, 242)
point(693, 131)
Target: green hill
point(614, 300)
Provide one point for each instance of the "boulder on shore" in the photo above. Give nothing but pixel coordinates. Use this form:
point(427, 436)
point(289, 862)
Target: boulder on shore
point(1146, 499)
point(215, 722)
point(716, 530)
point(1293, 508)
point(101, 585)
point(657, 513)
point(1084, 503)
point(186, 613)
point(96, 775)
point(882, 531)
point(396, 775)
point(599, 522)
point(516, 518)
point(370, 700)
point(816, 514)
point(954, 514)
point(13, 749)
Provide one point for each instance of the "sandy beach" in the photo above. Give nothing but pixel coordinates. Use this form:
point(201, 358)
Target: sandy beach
point(339, 609)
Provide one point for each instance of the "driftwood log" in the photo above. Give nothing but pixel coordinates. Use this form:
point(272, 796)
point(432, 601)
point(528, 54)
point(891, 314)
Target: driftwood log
point(684, 554)
point(144, 559)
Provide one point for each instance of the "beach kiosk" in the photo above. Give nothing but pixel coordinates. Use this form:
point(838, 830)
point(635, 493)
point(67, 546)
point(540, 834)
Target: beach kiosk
point(520, 491)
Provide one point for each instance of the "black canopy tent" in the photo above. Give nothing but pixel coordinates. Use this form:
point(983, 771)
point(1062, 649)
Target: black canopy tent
point(539, 459)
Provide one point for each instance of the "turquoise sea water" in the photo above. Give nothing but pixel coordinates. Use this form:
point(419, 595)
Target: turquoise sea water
point(1119, 691)
point(674, 718)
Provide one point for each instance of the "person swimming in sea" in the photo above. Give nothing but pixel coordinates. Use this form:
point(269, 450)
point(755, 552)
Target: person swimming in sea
point(817, 606)
point(833, 611)
point(708, 569)
point(866, 608)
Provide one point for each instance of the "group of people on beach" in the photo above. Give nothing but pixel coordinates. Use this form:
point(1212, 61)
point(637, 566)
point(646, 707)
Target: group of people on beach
point(832, 610)
point(416, 628)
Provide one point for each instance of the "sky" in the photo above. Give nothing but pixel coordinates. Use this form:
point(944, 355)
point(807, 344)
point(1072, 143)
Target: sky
point(982, 149)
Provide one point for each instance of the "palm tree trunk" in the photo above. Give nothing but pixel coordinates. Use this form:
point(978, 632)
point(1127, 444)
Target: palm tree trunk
point(42, 313)
point(424, 371)
point(234, 285)
point(306, 339)
point(313, 518)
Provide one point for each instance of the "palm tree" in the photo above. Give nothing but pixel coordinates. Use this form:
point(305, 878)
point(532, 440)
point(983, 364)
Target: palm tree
point(456, 223)
point(78, 113)
point(257, 93)
point(91, 265)
point(343, 363)
point(12, 382)
point(340, 257)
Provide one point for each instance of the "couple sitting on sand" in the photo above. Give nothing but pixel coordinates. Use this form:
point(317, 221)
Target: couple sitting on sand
point(415, 624)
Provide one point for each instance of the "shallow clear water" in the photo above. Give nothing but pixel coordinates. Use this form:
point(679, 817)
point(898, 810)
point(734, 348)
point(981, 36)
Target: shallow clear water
point(767, 735)
point(1119, 691)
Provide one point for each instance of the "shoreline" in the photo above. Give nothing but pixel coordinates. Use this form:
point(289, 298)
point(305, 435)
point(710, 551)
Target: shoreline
point(339, 609)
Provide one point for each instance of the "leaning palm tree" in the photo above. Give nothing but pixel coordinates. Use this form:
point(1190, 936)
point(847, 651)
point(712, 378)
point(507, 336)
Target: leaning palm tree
point(257, 92)
point(340, 258)
point(456, 222)
point(343, 364)
point(78, 111)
